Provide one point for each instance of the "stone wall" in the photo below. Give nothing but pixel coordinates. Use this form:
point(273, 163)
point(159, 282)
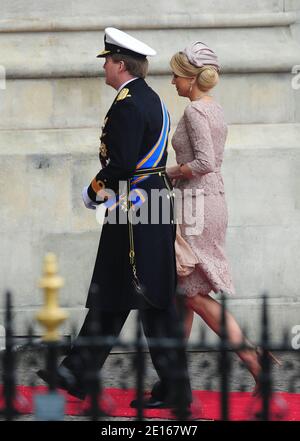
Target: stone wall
point(52, 107)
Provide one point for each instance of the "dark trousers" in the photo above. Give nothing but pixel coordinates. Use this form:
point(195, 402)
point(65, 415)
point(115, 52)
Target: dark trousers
point(170, 364)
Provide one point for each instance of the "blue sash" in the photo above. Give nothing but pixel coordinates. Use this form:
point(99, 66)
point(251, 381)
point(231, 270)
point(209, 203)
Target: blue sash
point(150, 160)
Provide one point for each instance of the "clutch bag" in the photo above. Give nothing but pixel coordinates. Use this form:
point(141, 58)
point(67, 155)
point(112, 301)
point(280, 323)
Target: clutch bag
point(185, 256)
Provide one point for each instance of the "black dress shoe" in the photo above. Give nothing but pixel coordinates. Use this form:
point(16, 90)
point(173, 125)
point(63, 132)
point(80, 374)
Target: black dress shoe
point(152, 403)
point(155, 403)
point(63, 381)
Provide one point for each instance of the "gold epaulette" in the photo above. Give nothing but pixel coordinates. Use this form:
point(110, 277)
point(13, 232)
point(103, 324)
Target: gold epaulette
point(124, 93)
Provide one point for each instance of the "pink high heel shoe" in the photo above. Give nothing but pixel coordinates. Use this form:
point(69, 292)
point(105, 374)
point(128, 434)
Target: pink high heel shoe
point(257, 391)
point(275, 360)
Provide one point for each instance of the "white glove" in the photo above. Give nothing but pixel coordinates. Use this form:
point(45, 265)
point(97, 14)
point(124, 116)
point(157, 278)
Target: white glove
point(87, 200)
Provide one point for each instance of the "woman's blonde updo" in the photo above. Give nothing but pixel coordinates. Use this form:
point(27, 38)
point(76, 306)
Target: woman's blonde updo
point(206, 77)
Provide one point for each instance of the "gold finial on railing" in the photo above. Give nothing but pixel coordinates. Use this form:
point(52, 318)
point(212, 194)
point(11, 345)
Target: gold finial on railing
point(51, 315)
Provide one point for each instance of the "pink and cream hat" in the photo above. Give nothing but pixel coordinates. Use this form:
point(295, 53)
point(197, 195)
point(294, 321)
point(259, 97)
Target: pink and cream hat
point(199, 54)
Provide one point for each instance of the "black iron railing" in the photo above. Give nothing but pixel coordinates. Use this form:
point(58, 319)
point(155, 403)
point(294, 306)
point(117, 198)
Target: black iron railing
point(94, 388)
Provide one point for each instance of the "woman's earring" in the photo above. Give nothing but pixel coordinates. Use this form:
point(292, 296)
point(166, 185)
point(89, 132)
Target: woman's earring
point(191, 86)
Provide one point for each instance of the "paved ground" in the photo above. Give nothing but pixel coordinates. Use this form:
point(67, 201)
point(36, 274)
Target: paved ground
point(118, 372)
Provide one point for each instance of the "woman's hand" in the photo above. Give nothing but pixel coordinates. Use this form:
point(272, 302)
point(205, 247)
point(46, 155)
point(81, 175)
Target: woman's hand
point(180, 171)
point(174, 172)
point(186, 171)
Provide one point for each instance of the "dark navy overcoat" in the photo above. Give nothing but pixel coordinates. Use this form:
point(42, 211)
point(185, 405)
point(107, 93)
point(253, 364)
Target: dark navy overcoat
point(131, 128)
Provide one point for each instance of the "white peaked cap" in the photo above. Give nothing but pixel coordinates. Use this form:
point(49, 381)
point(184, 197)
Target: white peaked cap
point(119, 42)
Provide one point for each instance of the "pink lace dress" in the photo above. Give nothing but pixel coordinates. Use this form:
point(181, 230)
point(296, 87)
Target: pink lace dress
point(199, 142)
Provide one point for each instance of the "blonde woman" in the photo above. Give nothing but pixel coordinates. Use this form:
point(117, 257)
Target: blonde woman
point(199, 142)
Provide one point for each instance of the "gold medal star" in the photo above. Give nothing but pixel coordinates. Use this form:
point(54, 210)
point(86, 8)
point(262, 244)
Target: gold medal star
point(103, 150)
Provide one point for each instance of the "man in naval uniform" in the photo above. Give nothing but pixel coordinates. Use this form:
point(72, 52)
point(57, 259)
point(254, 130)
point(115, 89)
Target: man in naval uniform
point(135, 266)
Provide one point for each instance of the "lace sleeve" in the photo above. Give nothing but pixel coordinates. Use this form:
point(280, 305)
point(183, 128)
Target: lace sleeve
point(200, 137)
